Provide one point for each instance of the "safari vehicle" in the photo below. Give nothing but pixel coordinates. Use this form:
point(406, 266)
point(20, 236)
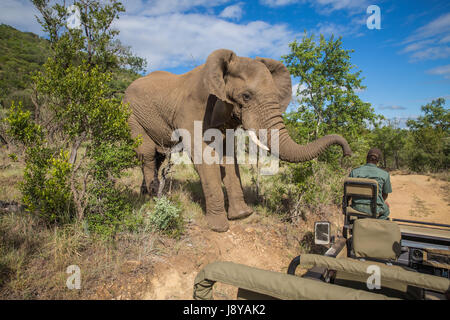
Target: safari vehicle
point(375, 259)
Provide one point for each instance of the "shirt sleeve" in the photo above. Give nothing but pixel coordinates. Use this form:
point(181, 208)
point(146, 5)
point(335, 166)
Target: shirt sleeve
point(387, 188)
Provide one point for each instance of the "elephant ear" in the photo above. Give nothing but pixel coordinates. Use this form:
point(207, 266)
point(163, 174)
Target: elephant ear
point(215, 69)
point(282, 80)
point(221, 113)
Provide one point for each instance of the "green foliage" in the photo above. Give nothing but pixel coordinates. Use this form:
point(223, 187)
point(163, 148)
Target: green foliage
point(327, 100)
point(78, 91)
point(21, 127)
point(428, 146)
point(21, 54)
point(326, 91)
point(45, 186)
point(303, 188)
point(328, 104)
point(166, 217)
point(390, 140)
point(96, 41)
point(110, 210)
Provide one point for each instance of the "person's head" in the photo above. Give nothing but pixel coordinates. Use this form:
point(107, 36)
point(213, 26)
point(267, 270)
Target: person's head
point(373, 155)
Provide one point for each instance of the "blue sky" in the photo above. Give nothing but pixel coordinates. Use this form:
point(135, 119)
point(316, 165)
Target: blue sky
point(405, 64)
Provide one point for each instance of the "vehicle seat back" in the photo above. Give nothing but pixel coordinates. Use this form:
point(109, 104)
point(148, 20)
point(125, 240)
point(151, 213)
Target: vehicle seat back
point(360, 188)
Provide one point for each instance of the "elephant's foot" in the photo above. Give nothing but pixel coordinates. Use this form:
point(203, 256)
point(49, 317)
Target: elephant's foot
point(152, 191)
point(217, 222)
point(144, 190)
point(239, 212)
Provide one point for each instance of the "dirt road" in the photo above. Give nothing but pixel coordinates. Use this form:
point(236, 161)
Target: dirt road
point(419, 197)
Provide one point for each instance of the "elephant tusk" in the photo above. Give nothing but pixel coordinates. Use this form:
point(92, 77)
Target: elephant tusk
point(252, 135)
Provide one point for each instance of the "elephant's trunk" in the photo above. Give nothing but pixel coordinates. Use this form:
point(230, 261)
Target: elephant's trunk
point(293, 152)
point(290, 151)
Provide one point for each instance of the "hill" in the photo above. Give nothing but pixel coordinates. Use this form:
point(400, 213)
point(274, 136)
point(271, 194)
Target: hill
point(21, 54)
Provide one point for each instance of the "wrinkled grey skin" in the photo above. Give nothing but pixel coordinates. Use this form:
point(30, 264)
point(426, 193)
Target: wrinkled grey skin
point(227, 91)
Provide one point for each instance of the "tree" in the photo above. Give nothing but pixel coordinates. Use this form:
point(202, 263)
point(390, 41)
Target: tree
point(327, 104)
point(390, 140)
point(82, 120)
point(326, 91)
point(430, 138)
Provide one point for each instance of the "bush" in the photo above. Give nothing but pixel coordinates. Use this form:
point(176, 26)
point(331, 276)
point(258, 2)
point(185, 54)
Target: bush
point(303, 188)
point(110, 211)
point(78, 111)
point(45, 186)
point(166, 217)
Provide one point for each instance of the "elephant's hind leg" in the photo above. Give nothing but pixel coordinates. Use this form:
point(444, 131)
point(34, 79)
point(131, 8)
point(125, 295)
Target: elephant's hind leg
point(147, 155)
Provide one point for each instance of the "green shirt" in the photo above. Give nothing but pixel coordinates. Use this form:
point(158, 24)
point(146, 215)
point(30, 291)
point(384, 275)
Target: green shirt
point(371, 171)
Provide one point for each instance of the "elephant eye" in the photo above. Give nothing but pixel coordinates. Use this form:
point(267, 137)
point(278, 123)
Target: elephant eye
point(246, 97)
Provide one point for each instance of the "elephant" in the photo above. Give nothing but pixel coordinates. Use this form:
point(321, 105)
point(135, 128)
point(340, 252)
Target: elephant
point(227, 91)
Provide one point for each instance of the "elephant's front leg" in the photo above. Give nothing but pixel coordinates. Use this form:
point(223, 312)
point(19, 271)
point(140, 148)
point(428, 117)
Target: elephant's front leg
point(212, 189)
point(237, 208)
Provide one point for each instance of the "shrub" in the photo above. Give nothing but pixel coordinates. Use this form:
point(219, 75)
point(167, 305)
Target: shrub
point(45, 186)
point(166, 217)
point(303, 188)
point(110, 211)
point(78, 111)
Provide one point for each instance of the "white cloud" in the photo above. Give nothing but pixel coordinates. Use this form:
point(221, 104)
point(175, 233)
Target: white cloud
point(430, 41)
point(393, 107)
point(328, 6)
point(297, 97)
point(445, 39)
point(278, 3)
point(20, 14)
point(161, 7)
point(324, 6)
point(441, 70)
point(417, 46)
point(232, 12)
point(353, 6)
point(177, 33)
point(434, 28)
point(329, 28)
point(174, 40)
point(432, 53)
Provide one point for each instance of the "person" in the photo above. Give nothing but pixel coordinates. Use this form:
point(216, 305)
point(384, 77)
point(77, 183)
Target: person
point(371, 171)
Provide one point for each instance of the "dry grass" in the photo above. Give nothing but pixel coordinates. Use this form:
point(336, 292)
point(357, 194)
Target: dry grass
point(444, 176)
point(10, 174)
point(34, 257)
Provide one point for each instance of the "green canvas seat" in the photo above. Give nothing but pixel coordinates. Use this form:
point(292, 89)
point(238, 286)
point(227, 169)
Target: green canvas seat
point(361, 188)
point(254, 283)
point(377, 239)
point(395, 281)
